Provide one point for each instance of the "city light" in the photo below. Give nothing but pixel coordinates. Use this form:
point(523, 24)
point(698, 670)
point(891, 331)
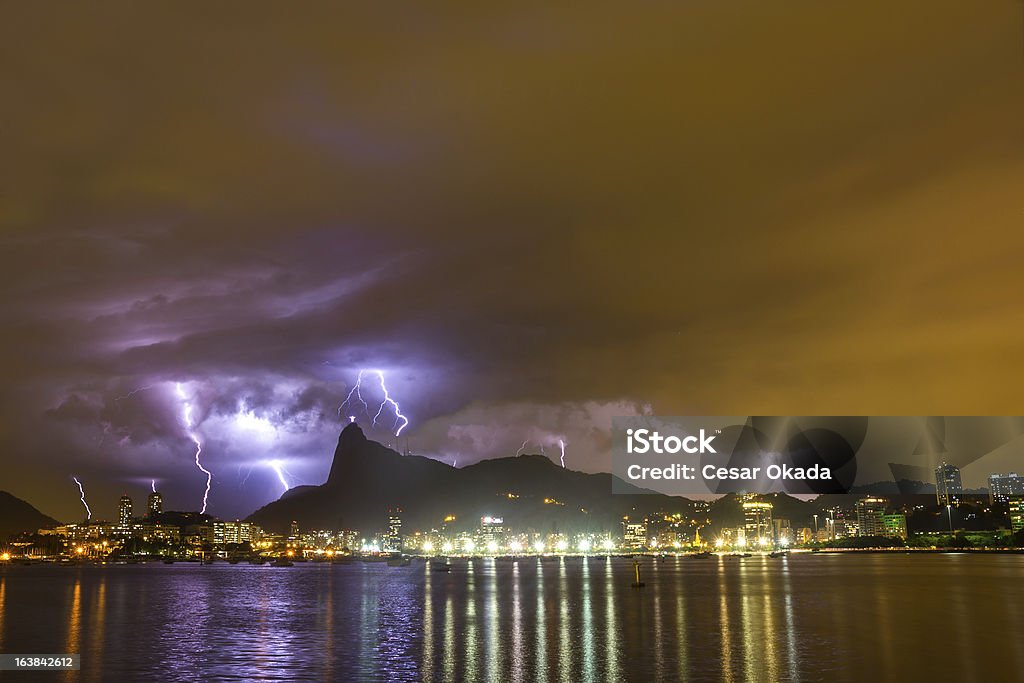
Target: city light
point(428, 547)
point(539, 546)
point(762, 541)
point(719, 542)
point(447, 547)
point(562, 546)
point(470, 546)
point(515, 546)
point(608, 544)
point(492, 547)
point(585, 545)
point(5, 557)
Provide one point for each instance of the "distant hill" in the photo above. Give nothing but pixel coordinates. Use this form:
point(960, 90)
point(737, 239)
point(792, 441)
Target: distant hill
point(367, 478)
point(16, 516)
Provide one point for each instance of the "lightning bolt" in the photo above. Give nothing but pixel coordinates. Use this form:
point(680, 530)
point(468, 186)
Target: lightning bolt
point(88, 512)
point(247, 474)
point(357, 393)
point(280, 470)
point(133, 392)
point(186, 418)
point(153, 484)
point(522, 448)
point(561, 444)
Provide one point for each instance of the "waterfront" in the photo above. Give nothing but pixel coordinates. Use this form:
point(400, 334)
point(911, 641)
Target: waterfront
point(803, 617)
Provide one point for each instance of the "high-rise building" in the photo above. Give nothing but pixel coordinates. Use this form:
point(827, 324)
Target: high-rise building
point(895, 526)
point(757, 522)
point(154, 505)
point(1002, 486)
point(124, 511)
point(870, 516)
point(1016, 513)
point(393, 540)
point(948, 487)
point(634, 535)
point(491, 529)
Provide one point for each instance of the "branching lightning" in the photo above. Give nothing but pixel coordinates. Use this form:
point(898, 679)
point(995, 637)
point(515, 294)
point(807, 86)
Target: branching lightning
point(186, 417)
point(561, 445)
point(88, 512)
point(133, 392)
point(280, 471)
point(356, 394)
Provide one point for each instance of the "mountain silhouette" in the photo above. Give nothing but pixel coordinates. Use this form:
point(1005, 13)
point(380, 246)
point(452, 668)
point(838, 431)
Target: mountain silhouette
point(16, 516)
point(528, 491)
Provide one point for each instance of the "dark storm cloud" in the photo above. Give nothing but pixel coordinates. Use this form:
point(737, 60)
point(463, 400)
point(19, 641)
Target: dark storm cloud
point(529, 217)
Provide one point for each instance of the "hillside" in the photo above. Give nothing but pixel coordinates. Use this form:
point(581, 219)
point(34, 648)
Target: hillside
point(16, 516)
point(367, 478)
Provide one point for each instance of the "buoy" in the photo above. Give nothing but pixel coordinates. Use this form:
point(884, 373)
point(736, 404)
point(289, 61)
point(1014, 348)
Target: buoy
point(636, 568)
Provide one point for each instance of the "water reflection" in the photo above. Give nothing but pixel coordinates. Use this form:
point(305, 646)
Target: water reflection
point(611, 640)
point(796, 618)
point(540, 648)
point(3, 600)
point(518, 656)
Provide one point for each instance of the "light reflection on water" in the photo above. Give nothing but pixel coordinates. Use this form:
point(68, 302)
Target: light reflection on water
point(803, 617)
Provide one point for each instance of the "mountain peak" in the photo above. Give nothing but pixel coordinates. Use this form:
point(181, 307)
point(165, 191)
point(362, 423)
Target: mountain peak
point(352, 446)
point(352, 435)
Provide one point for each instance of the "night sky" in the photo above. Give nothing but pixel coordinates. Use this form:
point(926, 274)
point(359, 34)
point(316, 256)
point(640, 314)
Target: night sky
point(530, 219)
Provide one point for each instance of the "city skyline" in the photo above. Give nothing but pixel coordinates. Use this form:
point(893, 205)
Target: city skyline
point(947, 484)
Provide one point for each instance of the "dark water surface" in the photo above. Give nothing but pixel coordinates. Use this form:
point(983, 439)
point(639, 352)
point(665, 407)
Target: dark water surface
point(803, 618)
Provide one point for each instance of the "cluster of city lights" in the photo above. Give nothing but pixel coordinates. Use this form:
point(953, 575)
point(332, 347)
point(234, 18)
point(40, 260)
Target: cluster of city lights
point(515, 547)
point(763, 541)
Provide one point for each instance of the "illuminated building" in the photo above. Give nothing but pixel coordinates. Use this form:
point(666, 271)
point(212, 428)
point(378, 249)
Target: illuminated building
point(870, 514)
point(293, 533)
point(948, 486)
point(347, 539)
point(393, 540)
point(154, 505)
point(757, 521)
point(492, 530)
point(165, 533)
point(635, 535)
point(124, 511)
point(895, 526)
point(234, 532)
point(1002, 486)
point(1016, 513)
point(197, 534)
point(783, 531)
